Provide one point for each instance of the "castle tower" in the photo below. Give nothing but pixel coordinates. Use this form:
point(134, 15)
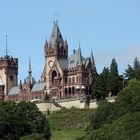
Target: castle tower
point(56, 47)
point(56, 55)
point(30, 79)
point(8, 72)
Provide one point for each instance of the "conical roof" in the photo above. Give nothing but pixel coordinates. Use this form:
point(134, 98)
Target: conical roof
point(55, 35)
point(79, 58)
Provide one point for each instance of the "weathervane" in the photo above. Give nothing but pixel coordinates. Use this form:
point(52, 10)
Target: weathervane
point(56, 17)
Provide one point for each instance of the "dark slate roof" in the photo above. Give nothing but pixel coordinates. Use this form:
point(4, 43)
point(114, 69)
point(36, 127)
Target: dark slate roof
point(92, 59)
point(75, 59)
point(1, 82)
point(55, 36)
point(14, 91)
point(63, 63)
point(86, 62)
point(38, 87)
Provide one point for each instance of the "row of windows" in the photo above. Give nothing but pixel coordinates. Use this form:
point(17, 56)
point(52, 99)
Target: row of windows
point(35, 96)
point(72, 79)
point(62, 52)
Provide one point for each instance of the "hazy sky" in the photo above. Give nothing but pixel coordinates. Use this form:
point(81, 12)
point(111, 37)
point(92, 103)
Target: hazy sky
point(110, 27)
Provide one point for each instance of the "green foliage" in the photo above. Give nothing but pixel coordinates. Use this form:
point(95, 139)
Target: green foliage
point(67, 135)
point(34, 136)
point(102, 115)
point(115, 81)
point(68, 124)
point(136, 63)
point(21, 119)
point(133, 72)
point(126, 127)
point(109, 81)
point(99, 89)
point(119, 120)
point(129, 72)
point(114, 68)
point(67, 119)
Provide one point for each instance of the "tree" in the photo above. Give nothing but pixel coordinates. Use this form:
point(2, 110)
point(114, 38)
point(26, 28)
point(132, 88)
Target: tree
point(116, 81)
point(114, 68)
point(101, 85)
point(17, 120)
point(136, 63)
point(99, 89)
point(133, 72)
point(129, 73)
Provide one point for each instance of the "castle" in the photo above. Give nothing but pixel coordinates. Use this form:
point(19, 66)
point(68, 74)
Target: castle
point(62, 77)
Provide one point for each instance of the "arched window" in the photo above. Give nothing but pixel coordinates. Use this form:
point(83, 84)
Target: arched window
point(73, 90)
point(66, 92)
point(69, 90)
point(54, 75)
point(69, 80)
point(73, 79)
point(77, 79)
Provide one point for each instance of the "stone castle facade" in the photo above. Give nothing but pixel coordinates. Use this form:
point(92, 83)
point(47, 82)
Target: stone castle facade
point(62, 77)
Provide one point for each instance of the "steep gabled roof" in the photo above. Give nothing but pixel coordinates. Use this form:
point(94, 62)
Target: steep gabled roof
point(75, 59)
point(55, 35)
point(14, 91)
point(38, 87)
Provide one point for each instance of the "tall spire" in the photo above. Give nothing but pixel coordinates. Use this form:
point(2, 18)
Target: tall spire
point(55, 35)
point(92, 59)
point(79, 61)
point(6, 48)
point(30, 69)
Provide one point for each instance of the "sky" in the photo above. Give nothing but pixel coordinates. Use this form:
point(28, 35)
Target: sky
point(110, 27)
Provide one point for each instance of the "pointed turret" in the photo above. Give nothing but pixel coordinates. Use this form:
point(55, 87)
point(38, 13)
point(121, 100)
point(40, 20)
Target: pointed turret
point(65, 44)
point(56, 45)
point(79, 59)
point(92, 59)
point(24, 84)
point(46, 44)
point(20, 85)
point(55, 36)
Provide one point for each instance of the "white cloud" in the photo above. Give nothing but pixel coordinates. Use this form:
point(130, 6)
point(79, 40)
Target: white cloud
point(123, 57)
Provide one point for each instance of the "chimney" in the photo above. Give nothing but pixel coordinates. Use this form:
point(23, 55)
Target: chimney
point(74, 51)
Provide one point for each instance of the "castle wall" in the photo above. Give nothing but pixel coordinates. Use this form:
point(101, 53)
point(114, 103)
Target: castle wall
point(3, 77)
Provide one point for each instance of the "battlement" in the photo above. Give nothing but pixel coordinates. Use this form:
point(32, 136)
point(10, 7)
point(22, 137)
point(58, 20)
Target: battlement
point(8, 61)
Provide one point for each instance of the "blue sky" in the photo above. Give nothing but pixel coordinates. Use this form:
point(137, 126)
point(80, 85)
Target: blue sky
point(110, 27)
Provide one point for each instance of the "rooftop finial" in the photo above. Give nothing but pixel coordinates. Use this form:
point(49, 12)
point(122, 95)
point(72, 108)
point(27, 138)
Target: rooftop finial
point(92, 58)
point(6, 51)
point(56, 18)
point(79, 46)
point(30, 69)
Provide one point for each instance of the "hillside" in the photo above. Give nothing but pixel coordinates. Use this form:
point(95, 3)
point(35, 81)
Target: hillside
point(68, 124)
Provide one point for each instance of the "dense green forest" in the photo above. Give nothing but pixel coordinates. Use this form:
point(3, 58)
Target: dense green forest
point(119, 120)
